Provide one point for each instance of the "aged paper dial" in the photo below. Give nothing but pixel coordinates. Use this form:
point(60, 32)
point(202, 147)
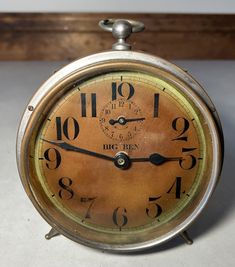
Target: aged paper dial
point(121, 152)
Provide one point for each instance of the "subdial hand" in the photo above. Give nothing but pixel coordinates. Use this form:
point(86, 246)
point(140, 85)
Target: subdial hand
point(123, 121)
point(156, 159)
point(69, 147)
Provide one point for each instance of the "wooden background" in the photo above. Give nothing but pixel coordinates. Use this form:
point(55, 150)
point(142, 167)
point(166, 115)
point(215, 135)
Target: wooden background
point(48, 36)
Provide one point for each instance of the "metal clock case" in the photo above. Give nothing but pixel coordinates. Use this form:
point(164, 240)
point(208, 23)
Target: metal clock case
point(120, 150)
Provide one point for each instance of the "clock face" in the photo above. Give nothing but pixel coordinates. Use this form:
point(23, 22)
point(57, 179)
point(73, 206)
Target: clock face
point(122, 152)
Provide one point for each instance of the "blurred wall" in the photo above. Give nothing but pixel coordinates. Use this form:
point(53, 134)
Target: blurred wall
point(161, 6)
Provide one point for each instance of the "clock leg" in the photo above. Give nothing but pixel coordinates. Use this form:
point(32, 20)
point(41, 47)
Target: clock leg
point(186, 238)
point(52, 233)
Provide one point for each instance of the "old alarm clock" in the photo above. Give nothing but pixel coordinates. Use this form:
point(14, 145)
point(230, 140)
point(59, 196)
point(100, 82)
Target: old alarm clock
point(120, 150)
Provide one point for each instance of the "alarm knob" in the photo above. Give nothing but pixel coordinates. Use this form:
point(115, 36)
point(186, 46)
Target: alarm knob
point(121, 30)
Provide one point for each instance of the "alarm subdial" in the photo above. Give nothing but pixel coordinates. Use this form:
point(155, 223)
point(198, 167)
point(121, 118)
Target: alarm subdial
point(121, 120)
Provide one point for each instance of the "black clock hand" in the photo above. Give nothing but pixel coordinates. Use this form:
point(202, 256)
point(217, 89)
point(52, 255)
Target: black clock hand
point(156, 159)
point(69, 147)
point(123, 120)
point(135, 119)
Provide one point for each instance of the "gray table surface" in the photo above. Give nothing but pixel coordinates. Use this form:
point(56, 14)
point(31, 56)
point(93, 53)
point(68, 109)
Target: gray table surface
point(22, 229)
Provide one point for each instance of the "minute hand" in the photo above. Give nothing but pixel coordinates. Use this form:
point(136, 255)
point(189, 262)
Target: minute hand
point(69, 147)
point(156, 159)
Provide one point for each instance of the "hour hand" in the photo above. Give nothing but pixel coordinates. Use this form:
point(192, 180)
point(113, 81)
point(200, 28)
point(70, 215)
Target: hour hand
point(156, 159)
point(69, 147)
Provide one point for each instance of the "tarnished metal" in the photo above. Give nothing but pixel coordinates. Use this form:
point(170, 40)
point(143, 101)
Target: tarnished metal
point(121, 30)
point(86, 68)
point(52, 233)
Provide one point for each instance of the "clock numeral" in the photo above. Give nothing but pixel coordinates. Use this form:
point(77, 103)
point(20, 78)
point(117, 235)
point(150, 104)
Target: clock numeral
point(177, 186)
point(90, 200)
point(65, 192)
point(189, 161)
point(121, 103)
point(154, 210)
point(129, 135)
point(70, 133)
point(84, 104)
point(107, 111)
point(156, 105)
point(137, 111)
point(124, 89)
point(53, 156)
point(180, 125)
point(121, 137)
point(120, 217)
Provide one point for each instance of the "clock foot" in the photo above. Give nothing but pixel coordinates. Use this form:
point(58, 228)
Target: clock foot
point(52, 233)
point(186, 238)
